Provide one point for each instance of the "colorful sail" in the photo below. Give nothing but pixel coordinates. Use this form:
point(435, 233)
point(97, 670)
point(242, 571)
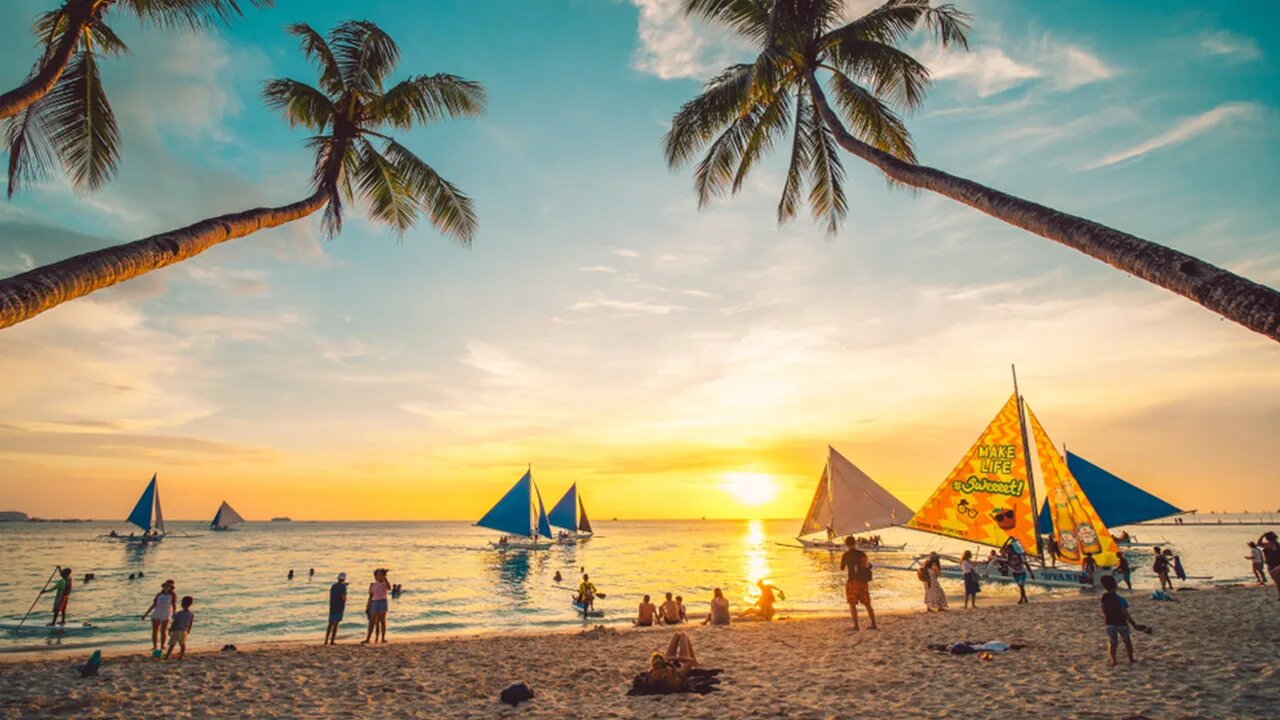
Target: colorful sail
point(512, 514)
point(986, 499)
point(225, 517)
point(1076, 525)
point(563, 515)
point(819, 516)
point(141, 515)
point(1116, 501)
point(858, 503)
point(584, 525)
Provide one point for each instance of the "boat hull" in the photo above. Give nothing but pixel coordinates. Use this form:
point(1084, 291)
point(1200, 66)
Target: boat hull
point(522, 545)
point(834, 546)
point(573, 539)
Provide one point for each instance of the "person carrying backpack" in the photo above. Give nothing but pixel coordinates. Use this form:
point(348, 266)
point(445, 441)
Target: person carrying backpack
point(857, 589)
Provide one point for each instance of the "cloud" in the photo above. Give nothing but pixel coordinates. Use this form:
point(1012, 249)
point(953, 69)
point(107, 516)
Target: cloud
point(643, 307)
point(1078, 67)
point(1232, 47)
point(606, 269)
point(625, 252)
point(990, 70)
point(1182, 131)
point(673, 45)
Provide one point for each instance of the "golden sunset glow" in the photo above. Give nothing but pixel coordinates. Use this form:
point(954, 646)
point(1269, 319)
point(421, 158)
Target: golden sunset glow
point(750, 489)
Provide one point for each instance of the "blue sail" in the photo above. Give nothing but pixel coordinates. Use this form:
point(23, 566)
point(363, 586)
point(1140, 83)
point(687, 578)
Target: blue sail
point(1117, 502)
point(141, 515)
point(511, 514)
point(564, 514)
point(544, 527)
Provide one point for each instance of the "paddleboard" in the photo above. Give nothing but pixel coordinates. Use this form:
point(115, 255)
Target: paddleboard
point(592, 613)
point(55, 631)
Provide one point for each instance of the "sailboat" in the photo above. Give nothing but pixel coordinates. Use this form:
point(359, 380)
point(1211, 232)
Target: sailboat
point(570, 515)
point(846, 502)
point(1117, 502)
point(225, 517)
point(989, 499)
point(520, 516)
point(146, 515)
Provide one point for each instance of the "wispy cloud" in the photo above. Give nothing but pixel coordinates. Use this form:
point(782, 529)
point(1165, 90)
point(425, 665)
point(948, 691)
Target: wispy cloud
point(988, 70)
point(673, 45)
point(1228, 45)
point(626, 253)
point(992, 69)
point(606, 269)
point(1182, 131)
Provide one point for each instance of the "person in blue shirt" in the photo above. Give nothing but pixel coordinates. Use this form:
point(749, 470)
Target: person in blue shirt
point(1115, 613)
point(337, 606)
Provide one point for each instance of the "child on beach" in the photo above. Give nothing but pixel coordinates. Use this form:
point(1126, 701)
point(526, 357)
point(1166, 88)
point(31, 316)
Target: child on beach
point(337, 607)
point(648, 613)
point(935, 599)
point(1125, 570)
point(684, 614)
point(182, 622)
point(1115, 613)
point(61, 596)
point(1161, 568)
point(1255, 558)
point(971, 586)
point(161, 612)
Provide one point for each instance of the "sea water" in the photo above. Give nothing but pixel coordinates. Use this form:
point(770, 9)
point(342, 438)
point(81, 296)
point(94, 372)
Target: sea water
point(455, 583)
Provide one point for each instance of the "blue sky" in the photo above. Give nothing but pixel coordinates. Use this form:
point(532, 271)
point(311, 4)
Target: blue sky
point(609, 332)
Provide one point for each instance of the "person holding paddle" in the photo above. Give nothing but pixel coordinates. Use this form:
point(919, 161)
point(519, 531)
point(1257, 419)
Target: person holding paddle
point(587, 594)
point(61, 594)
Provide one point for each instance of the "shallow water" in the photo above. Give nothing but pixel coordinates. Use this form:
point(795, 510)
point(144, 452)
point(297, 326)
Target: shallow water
point(454, 583)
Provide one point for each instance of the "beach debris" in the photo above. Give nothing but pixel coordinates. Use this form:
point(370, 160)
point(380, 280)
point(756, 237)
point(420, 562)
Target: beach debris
point(1160, 595)
point(598, 632)
point(513, 695)
point(90, 667)
point(228, 648)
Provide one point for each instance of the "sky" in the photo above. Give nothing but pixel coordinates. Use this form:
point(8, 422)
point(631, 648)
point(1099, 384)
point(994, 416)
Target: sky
point(674, 362)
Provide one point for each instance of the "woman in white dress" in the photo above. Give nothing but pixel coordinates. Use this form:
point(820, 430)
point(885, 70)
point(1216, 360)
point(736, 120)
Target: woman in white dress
point(161, 612)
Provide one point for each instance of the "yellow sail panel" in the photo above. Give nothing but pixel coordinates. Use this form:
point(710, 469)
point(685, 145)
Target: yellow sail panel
point(1076, 525)
point(986, 498)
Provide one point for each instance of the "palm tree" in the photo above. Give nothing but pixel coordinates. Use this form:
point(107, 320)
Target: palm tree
point(61, 110)
point(353, 159)
point(747, 109)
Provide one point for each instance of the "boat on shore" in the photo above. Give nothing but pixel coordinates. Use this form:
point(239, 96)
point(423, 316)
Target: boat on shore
point(521, 517)
point(845, 502)
point(225, 518)
point(570, 516)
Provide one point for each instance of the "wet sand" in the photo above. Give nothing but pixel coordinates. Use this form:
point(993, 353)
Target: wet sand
point(1214, 654)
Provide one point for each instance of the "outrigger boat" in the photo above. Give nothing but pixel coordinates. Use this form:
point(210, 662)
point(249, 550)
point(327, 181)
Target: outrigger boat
point(1117, 502)
point(522, 522)
point(225, 517)
point(570, 515)
point(847, 502)
point(147, 515)
point(989, 499)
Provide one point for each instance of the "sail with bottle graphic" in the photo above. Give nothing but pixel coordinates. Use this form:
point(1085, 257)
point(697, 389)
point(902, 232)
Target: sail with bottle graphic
point(986, 499)
point(1117, 502)
point(1075, 524)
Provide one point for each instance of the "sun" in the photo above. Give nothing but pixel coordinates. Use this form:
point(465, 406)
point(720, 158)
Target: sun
point(750, 489)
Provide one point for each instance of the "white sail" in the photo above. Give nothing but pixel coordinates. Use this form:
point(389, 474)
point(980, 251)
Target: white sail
point(858, 503)
point(819, 516)
point(159, 524)
point(226, 516)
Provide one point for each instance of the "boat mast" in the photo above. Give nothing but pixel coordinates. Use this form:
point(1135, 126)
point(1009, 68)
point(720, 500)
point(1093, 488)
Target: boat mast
point(1031, 480)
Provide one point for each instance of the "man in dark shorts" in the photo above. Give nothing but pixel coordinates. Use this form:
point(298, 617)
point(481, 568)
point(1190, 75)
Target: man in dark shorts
point(337, 607)
point(857, 589)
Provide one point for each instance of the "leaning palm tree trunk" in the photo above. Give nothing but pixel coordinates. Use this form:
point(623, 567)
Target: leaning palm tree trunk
point(31, 293)
point(1250, 304)
point(50, 67)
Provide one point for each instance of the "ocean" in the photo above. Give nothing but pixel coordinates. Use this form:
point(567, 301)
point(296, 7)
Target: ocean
point(453, 582)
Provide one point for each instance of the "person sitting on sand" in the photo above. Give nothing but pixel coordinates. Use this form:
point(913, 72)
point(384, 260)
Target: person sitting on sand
point(763, 609)
point(337, 607)
point(183, 620)
point(1115, 613)
point(161, 612)
point(648, 613)
point(669, 611)
point(684, 614)
point(376, 607)
point(1271, 557)
point(935, 599)
point(586, 593)
point(719, 614)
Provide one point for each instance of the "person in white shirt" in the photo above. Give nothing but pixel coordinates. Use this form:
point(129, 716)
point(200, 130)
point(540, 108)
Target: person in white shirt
point(1255, 556)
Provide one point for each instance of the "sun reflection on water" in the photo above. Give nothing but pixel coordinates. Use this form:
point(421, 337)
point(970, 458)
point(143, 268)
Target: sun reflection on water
point(757, 561)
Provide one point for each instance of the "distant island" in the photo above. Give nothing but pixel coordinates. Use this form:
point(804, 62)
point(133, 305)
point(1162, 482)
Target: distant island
point(12, 516)
point(281, 519)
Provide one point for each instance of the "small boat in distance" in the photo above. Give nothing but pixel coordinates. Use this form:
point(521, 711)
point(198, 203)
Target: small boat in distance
point(848, 502)
point(521, 521)
point(282, 518)
point(570, 515)
point(225, 517)
point(146, 515)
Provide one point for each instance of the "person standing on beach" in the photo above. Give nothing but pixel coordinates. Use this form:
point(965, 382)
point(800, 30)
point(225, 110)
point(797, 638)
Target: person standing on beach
point(1018, 568)
point(183, 620)
point(935, 600)
point(337, 607)
point(1271, 557)
point(376, 607)
point(648, 613)
point(1161, 567)
point(1125, 570)
point(1255, 559)
point(161, 612)
point(857, 587)
point(971, 586)
point(61, 596)
point(1051, 549)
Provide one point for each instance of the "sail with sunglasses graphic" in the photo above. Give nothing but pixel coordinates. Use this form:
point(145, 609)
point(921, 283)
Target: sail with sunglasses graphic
point(987, 498)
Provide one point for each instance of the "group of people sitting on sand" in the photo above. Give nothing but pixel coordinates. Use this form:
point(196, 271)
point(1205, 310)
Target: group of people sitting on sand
point(672, 611)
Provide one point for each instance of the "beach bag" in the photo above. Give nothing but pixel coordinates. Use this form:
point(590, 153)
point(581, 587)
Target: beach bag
point(862, 574)
point(922, 574)
point(516, 694)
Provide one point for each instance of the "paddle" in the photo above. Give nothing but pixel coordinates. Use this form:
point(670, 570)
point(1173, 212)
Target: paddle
point(56, 569)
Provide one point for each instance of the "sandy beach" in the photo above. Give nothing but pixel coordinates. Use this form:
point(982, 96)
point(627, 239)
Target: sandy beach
point(1213, 655)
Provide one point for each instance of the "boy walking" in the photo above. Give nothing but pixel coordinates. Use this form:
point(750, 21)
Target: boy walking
point(1115, 613)
point(857, 589)
point(337, 606)
point(180, 628)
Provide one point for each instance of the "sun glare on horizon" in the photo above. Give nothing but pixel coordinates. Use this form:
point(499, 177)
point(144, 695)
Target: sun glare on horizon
point(750, 489)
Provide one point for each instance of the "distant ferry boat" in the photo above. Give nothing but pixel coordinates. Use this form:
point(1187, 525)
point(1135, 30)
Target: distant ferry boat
point(281, 519)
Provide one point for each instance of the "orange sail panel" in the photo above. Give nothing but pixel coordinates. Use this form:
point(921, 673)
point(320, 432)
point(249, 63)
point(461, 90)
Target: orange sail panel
point(986, 498)
point(1076, 525)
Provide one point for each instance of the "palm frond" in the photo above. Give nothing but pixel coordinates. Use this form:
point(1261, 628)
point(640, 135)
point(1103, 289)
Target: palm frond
point(300, 103)
point(31, 155)
point(317, 50)
point(81, 125)
point(49, 27)
point(801, 160)
point(950, 25)
point(381, 184)
point(747, 18)
point(891, 73)
point(427, 98)
point(191, 14)
point(871, 120)
point(895, 20)
point(702, 118)
point(332, 175)
point(103, 39)
point(826, 178)
point(449, 210)
point(715, 174)
point(365, 55)
point(773, 124)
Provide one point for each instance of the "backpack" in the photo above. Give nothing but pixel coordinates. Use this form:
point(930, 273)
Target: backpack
point(863, 574)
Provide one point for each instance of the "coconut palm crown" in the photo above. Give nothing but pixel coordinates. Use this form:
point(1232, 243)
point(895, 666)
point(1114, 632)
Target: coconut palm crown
point(348, 110)
point(60, 113)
